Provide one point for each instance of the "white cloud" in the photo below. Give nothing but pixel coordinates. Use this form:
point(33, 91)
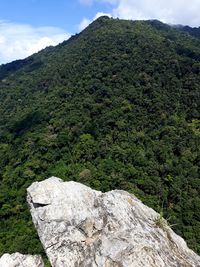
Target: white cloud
point(99, 14)
point(169, 11)
point(19, 41)
point(85, 22)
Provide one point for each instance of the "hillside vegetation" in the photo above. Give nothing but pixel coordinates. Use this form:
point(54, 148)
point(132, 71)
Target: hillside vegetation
point(114, 107)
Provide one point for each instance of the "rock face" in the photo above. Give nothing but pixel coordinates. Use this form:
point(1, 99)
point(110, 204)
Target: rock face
point(19, 260)
point(82, 227)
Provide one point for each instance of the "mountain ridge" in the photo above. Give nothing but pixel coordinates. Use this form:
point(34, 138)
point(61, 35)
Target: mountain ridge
point(193, 31)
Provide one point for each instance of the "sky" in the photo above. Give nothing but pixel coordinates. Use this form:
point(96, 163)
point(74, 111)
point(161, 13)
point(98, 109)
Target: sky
point(27, 26)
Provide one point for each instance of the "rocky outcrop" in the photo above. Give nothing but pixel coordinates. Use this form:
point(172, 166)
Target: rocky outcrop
point(79, 226)
point(19, 260)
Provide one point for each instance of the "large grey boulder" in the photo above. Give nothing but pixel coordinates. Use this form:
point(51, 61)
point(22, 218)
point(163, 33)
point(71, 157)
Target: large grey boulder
point(19, 260)
point(82, 227)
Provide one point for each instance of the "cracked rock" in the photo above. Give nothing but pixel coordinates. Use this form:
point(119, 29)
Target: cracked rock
point(19, 260)
point(82, 227)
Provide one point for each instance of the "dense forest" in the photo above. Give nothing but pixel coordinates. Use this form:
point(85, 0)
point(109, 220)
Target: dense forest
point(114, 107)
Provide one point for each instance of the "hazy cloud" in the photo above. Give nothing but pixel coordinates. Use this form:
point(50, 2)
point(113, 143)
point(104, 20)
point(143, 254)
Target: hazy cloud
point(19, 41)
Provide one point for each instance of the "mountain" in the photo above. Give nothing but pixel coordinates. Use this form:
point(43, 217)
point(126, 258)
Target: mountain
point(114, 107)
point(192, 31)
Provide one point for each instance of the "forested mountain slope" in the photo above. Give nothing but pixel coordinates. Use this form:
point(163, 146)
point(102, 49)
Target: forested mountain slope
point(115, 107)
point(192, 31)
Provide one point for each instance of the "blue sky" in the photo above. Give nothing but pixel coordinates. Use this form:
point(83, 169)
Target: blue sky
point(65, 14)
point(27, 26)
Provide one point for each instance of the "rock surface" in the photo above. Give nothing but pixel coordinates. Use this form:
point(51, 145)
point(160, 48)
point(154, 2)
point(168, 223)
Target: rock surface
point(82, 227)
point(19, 260)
